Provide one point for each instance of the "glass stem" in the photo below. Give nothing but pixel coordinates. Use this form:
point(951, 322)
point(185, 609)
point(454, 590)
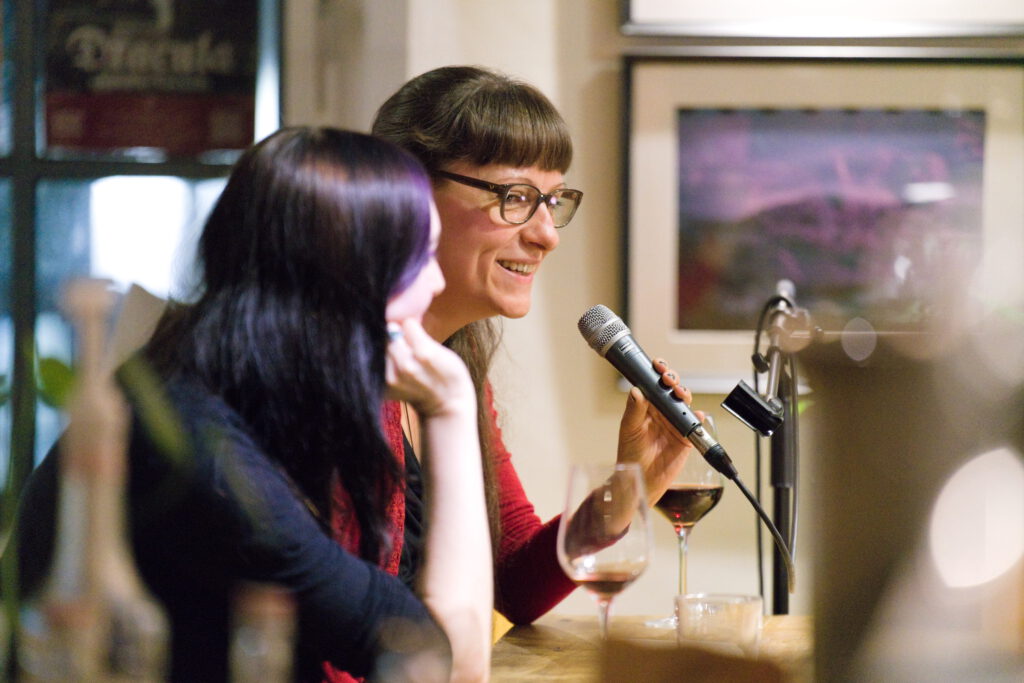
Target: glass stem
point(603, 607)
point(683, 534)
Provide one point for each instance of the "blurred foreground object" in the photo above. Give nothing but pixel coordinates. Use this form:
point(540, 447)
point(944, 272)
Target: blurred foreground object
point(263, 634)
point(918, 439)
point(93, 620)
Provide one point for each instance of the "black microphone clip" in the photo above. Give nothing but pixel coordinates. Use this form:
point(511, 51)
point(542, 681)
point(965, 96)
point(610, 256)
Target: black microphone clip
point(761, 415)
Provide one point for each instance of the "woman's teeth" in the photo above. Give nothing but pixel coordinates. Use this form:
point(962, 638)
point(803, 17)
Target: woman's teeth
point(521, 268)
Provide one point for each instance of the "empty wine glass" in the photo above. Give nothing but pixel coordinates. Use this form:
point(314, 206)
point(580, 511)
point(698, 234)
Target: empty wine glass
point(692, 494)
point(604, 541)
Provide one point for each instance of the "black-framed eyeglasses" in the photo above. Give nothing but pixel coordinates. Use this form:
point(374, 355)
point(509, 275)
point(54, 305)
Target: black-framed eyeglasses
point(519, 201)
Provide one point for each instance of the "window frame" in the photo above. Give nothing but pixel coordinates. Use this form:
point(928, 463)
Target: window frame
point(24, 168)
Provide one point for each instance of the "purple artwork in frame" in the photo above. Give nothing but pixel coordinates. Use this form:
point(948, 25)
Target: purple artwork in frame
point(861, 209)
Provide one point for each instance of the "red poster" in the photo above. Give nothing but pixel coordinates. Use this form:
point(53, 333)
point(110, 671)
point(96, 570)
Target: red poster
point(171, 77)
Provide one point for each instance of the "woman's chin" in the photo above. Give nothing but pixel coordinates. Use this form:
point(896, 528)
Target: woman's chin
point(515, 310)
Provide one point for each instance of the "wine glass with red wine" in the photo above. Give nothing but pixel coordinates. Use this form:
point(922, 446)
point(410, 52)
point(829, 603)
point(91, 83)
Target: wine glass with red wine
point(692, 494)
point(604, 541)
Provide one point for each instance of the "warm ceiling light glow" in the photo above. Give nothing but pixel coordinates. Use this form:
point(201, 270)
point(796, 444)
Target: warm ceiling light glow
point(977, 525)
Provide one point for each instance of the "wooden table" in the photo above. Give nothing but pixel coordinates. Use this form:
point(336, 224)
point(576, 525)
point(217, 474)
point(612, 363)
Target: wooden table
point(569, 648)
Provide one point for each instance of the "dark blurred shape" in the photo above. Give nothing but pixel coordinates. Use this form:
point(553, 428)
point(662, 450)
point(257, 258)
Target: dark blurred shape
point(892, 428)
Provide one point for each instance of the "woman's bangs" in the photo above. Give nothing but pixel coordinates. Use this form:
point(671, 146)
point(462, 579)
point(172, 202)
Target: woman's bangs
point(525, 133)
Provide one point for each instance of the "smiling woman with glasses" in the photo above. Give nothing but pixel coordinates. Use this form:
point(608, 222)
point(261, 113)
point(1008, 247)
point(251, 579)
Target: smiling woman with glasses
point(519, 201)
point(468, 124)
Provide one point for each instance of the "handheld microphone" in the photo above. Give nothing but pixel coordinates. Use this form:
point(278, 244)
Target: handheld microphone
point(608, 335)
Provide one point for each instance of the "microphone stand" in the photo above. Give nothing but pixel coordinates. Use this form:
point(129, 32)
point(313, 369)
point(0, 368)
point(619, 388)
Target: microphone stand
point(783, 482)
point(774, 415)
point(781, 394)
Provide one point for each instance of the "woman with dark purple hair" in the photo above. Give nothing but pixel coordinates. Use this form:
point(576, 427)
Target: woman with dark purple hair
point(318, 262)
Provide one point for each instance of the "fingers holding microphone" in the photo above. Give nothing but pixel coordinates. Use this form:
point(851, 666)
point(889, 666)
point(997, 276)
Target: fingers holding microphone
point(670, 380)
point(645, 432)
point(647, 437)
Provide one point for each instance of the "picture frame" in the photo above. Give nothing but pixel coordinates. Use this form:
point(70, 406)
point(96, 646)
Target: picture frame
point(659, 84)
point(805, 19)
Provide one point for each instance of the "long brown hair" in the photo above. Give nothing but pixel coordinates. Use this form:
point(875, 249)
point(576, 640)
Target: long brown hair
point(472, 114)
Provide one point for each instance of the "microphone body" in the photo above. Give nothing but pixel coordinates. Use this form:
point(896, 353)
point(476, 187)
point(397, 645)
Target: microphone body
point(608, 335)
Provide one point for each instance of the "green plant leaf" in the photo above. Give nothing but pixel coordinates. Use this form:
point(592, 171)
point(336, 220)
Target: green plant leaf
point(55, 379)
point(154, 408)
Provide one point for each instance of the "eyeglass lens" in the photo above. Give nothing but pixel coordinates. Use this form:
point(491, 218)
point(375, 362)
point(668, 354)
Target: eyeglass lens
point(521, 201)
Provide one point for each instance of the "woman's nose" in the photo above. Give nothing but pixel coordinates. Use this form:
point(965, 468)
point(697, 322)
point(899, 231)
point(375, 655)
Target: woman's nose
point(540, 229)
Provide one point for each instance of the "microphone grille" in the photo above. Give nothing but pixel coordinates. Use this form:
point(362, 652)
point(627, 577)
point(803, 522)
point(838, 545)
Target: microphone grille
point(599, 326)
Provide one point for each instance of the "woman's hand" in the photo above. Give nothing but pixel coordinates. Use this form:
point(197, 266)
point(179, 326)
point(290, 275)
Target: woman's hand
point(456, 580)
point(426, 374)
point(646, 436)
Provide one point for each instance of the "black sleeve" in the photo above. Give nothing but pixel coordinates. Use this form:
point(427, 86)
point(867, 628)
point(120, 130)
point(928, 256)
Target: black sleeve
point(224, 514)
point(346, 605)
point(256, 528)
point(36, 518)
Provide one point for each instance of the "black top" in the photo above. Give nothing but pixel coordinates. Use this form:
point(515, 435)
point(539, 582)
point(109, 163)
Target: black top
point(415, 529)
point(225, 515)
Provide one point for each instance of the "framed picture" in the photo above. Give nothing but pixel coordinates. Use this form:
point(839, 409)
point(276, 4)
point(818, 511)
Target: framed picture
point(859, 180)
point(809, 19)
point(151, 80)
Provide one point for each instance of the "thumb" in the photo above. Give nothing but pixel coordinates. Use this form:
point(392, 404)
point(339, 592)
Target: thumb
point(636, 410)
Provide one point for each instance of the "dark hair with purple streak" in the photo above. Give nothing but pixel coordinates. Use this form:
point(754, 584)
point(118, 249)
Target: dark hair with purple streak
point(315, 230)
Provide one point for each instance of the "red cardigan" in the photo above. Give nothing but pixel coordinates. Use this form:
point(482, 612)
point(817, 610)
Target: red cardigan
point(528, 580)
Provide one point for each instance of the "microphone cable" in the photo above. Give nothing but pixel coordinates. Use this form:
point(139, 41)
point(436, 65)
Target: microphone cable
point(779, 541)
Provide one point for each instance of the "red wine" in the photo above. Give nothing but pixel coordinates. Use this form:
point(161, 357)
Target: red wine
point(686, 504)
point(606, 583)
